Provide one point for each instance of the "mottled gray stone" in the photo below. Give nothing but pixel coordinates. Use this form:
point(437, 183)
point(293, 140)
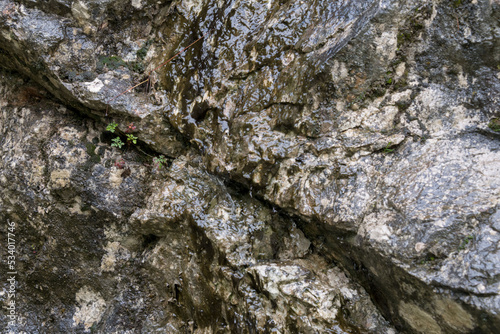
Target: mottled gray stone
point(155, 250)
point(311, 142)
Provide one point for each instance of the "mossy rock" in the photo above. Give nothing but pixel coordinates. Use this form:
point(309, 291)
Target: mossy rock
point(112, 63)
point(494, 124)
point(94, 157)
point(143, 51)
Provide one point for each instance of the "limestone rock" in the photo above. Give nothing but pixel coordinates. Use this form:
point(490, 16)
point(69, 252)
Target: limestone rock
point(318, 156)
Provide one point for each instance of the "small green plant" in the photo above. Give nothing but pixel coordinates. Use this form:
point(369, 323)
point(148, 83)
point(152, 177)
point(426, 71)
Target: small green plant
point(428, 258)
point(111, 127)
point(387, 149)
point(117, 142)
point(465, 242)
point(143, 51)
point(111, 63)
point(494, 124)
point(131, 138)
point(159, 162)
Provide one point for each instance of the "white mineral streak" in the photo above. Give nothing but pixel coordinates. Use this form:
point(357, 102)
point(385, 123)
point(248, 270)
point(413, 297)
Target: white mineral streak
point(90, 307)
point(94, 86)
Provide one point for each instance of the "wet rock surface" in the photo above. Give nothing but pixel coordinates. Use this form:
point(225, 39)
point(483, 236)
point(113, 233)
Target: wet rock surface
point(329, 166)
point(110, 247)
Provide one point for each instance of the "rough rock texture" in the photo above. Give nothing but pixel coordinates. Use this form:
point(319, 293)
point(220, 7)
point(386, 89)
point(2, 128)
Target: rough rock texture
point(151, 250)
point(333, 166)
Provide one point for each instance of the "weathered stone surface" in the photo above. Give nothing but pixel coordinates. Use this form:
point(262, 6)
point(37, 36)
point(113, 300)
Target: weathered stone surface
point(372, 125)
point(155, 250)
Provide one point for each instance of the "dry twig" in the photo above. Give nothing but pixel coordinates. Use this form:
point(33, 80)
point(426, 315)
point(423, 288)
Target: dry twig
point(156, 68)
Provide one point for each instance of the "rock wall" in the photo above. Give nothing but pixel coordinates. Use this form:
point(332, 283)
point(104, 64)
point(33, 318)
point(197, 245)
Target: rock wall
point(303, 167)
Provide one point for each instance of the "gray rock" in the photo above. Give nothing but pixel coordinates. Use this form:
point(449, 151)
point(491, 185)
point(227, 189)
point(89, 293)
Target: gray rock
point(154, 249)
point(323, 155)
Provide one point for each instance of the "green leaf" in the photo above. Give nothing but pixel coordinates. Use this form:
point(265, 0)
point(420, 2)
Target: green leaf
point(117, 142)
point(159, 162)
point(111, 127)
point(132, 138)
point(387, 149)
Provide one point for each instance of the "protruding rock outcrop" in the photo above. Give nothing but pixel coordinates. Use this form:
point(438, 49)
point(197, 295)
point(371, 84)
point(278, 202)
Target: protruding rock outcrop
point(325, 165)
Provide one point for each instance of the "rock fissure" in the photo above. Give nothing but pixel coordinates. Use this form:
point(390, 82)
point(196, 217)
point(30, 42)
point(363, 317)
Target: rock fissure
point(346, 181)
